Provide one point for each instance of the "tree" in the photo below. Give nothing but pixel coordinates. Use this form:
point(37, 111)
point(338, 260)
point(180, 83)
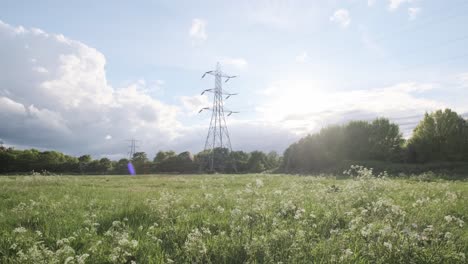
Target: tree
point(139, 157)
point(7, 161)
point(84, 162)
point(257, 162)
point(440, 136)
point(355, 141)
point(273, 160)
point(357, 145)
point(27, 160)
point(50, 160)
point(385, 140)
point(163, 155)
point(121, 167)
point(105, 165)
point(240, 161)
point(140, 162)
point(85, 159)
point(185, 162)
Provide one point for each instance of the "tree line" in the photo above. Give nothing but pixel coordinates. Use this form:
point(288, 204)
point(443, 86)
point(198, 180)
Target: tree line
point(46, 162)
point(441, 136)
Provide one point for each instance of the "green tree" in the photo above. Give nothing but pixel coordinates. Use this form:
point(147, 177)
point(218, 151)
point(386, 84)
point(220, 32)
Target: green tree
point(385, 140)
point(163, 155)
point(141, 163)
point(258, 162)
point(440, 136)
point(356, 143)
point(50, 160)
point(185, 162)
point(84, 162)
point(121, 166)
point(105, 165)
point(240, 160)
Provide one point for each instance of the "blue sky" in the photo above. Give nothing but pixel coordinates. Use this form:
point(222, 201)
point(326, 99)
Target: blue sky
point(302, 65)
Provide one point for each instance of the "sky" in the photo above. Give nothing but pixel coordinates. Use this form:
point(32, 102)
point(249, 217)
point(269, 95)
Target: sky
point(83, 77)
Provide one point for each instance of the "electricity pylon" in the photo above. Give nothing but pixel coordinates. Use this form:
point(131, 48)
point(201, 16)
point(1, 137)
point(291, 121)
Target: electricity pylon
point(132, 148)
point(218, 134)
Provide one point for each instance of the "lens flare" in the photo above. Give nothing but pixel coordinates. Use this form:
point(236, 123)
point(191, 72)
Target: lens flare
point(131, 169)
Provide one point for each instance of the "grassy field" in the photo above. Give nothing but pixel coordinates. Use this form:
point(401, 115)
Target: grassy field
point(231, 219)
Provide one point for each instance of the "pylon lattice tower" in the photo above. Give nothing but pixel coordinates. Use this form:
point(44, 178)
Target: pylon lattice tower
point(218, 134)
point(132, 148)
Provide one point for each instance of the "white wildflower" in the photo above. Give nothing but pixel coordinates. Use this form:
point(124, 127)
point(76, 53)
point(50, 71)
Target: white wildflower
point(299, 213)
point(346, 254)
point(20, 230)
point(448, 218)
point(388, 245)
point(220, 209)
point(259, 183)
point(448, 235)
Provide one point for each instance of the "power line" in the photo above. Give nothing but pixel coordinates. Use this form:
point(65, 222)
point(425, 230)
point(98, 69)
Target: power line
point(434, 20)
point(383, 36)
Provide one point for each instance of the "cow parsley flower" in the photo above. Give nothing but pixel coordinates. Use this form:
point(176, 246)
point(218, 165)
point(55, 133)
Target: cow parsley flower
point(388, 245)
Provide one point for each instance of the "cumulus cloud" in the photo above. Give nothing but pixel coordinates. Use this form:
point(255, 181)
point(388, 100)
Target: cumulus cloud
point(413, 12)
point(198, 30)
point(70, 106)
point(54, 94)
point(341, 17)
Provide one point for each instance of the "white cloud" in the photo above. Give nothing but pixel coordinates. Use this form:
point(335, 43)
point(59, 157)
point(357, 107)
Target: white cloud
point(9, 106)
point(395, 4)
point(73, 109)
point(370, 2)
point(413, 12)
point(306, 107)
point(302, 57)
point(198, 29)
point(341, 17)
point(67, 103)
point(239, 63)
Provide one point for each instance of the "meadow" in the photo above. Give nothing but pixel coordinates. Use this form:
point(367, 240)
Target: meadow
point(254, 218)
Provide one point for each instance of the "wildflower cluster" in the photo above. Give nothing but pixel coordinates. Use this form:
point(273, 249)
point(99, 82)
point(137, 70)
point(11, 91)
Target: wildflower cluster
point(233, 219)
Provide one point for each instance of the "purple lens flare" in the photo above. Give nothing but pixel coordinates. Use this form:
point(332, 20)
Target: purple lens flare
point(131, 169)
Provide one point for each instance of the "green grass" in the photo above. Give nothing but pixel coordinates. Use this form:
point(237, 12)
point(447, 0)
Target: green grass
point(231, 219)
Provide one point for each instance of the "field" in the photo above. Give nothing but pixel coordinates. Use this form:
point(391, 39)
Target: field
point(232, 219)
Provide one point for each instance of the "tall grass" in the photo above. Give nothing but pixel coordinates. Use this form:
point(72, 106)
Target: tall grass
point(232, 219)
